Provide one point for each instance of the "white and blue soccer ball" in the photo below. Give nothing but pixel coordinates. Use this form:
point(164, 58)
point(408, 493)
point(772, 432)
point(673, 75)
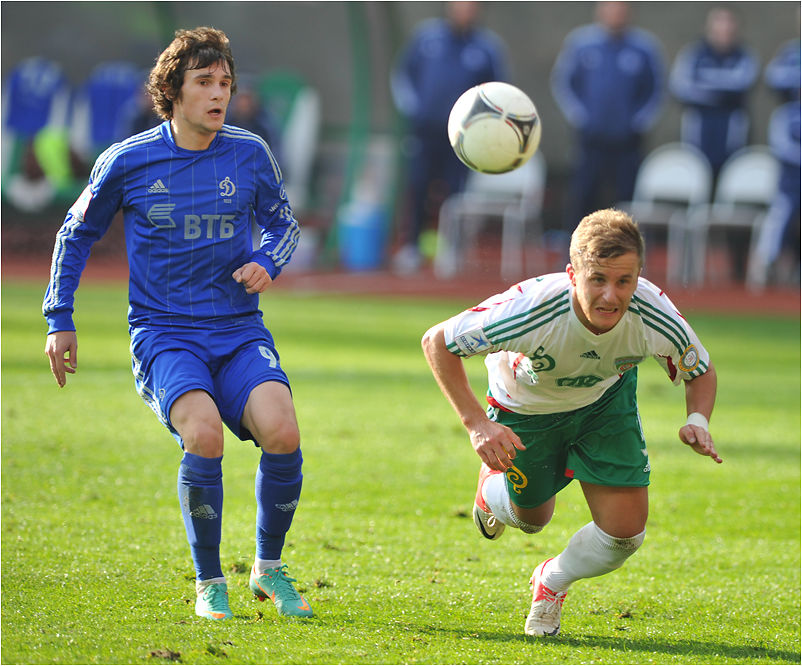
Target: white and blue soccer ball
point(494, 127)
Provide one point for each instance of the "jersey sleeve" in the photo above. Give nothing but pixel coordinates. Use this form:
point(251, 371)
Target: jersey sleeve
point(565, 78)
point(502, 322)
point(87, 221)
point(672, 341)
point(279, 228)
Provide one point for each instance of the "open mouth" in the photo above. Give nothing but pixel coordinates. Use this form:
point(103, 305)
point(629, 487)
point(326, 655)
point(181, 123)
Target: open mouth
point(606, 311)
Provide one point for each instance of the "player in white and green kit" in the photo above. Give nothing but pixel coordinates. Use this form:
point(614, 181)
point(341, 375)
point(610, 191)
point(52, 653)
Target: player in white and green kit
point(562, 352)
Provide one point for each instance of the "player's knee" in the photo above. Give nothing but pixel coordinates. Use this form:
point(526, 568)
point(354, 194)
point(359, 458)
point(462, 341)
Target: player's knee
point(203, 438)
point(532, 520)
point(618, 550)
point(628, 545)
point(527, 528)
point(281, 437)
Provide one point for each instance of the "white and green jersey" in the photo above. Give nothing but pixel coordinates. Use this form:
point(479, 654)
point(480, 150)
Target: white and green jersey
point(541, 359)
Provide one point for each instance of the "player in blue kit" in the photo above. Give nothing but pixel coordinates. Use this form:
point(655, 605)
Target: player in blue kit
point(201, 355)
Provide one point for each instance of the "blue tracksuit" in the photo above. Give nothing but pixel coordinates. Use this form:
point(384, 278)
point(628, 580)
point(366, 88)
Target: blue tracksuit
point(609, 88)
point(783, 72)
point(713, 88)
point(187, 217)
point(435, 68)
point(784, 139)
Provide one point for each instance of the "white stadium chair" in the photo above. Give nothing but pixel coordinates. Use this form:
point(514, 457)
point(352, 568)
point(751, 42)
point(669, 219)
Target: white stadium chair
point(671, 181)
point(746, 187)
point(515, 198)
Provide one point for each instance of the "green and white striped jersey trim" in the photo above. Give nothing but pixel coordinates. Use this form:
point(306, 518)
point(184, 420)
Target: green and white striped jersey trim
point(519, 324)
point(672, 327)
point(541, 359)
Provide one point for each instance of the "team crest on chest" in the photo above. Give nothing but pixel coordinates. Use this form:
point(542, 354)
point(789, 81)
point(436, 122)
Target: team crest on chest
point(227, 188)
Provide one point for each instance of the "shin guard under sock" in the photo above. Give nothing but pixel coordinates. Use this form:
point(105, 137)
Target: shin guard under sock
point(278, 489)
point(200, 492)
point(590, 552)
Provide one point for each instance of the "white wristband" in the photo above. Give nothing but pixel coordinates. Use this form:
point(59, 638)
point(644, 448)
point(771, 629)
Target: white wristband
point(698, 419)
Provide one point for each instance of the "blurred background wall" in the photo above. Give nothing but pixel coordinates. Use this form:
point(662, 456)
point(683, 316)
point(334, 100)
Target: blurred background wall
point(344, 50)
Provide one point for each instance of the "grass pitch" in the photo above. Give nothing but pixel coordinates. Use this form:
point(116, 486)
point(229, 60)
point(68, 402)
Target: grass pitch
point(95, 566)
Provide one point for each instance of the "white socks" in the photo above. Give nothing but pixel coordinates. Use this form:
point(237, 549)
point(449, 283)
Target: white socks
point(260, 566)
point(590, 552)
point(201, 585)
point(497, 498)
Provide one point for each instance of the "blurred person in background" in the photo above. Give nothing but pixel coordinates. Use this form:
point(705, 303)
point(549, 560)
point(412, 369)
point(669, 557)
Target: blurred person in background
point(39, 166)
point(141, 115)
point(783, 72)
point(711, 79)
point(607, 81)
point(444, 58)
point(247, 111)
point(777, 256)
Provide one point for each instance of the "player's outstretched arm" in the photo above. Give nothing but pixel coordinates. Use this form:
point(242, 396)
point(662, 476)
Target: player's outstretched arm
point(494, 443)
point(61, 348)
point(253, 276)
point(700, 396)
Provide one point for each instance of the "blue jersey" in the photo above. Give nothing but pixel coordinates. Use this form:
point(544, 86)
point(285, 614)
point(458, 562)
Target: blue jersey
point(187, 217)
point(609, 87)
point(438, 65)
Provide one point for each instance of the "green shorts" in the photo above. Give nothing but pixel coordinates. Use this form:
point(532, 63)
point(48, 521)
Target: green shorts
point(601, 443)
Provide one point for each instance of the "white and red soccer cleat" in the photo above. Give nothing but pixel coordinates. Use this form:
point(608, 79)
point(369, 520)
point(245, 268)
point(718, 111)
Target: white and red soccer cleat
point(544, 614)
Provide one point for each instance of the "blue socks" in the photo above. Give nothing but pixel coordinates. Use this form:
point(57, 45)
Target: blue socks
point(278, 488)
point(200, 491)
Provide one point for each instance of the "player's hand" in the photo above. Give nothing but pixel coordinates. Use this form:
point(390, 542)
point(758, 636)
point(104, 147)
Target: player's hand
point(253, 276)
point(699, 440)
point(495, 444)
point(61, 348)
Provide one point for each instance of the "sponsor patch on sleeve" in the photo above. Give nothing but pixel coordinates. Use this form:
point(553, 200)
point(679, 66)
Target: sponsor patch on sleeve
point(689, 360)
point(472, 342)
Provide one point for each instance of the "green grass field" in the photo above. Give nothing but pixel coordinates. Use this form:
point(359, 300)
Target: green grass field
point(95, 566)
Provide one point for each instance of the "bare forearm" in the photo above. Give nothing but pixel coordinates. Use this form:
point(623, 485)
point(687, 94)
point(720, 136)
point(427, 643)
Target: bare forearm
point(700, 393)
point(495, 444)
point(449, 372)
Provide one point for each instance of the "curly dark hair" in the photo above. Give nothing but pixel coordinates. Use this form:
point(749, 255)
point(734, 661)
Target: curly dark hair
point(191, 49)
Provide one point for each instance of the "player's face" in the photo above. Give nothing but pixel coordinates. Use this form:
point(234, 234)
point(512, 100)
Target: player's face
point(603, 290)
point(200, 109)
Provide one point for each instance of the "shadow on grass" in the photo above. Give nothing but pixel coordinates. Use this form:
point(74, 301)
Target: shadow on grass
point(701, 651)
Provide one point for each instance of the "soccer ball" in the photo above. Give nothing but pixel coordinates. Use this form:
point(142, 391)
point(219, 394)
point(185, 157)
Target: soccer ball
point(494, 127)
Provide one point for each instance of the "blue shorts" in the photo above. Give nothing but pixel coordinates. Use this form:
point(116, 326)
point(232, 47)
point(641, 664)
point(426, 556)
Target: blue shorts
point(227, 363)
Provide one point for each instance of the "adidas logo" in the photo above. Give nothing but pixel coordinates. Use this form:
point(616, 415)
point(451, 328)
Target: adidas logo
point(158, 188)
point(203, 511)
point(288, 507)
point(591, 354)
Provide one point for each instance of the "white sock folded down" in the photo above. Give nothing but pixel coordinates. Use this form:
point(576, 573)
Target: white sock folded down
point(498, 501)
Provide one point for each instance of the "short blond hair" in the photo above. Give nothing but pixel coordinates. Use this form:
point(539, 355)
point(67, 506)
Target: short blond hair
point(605, 234)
